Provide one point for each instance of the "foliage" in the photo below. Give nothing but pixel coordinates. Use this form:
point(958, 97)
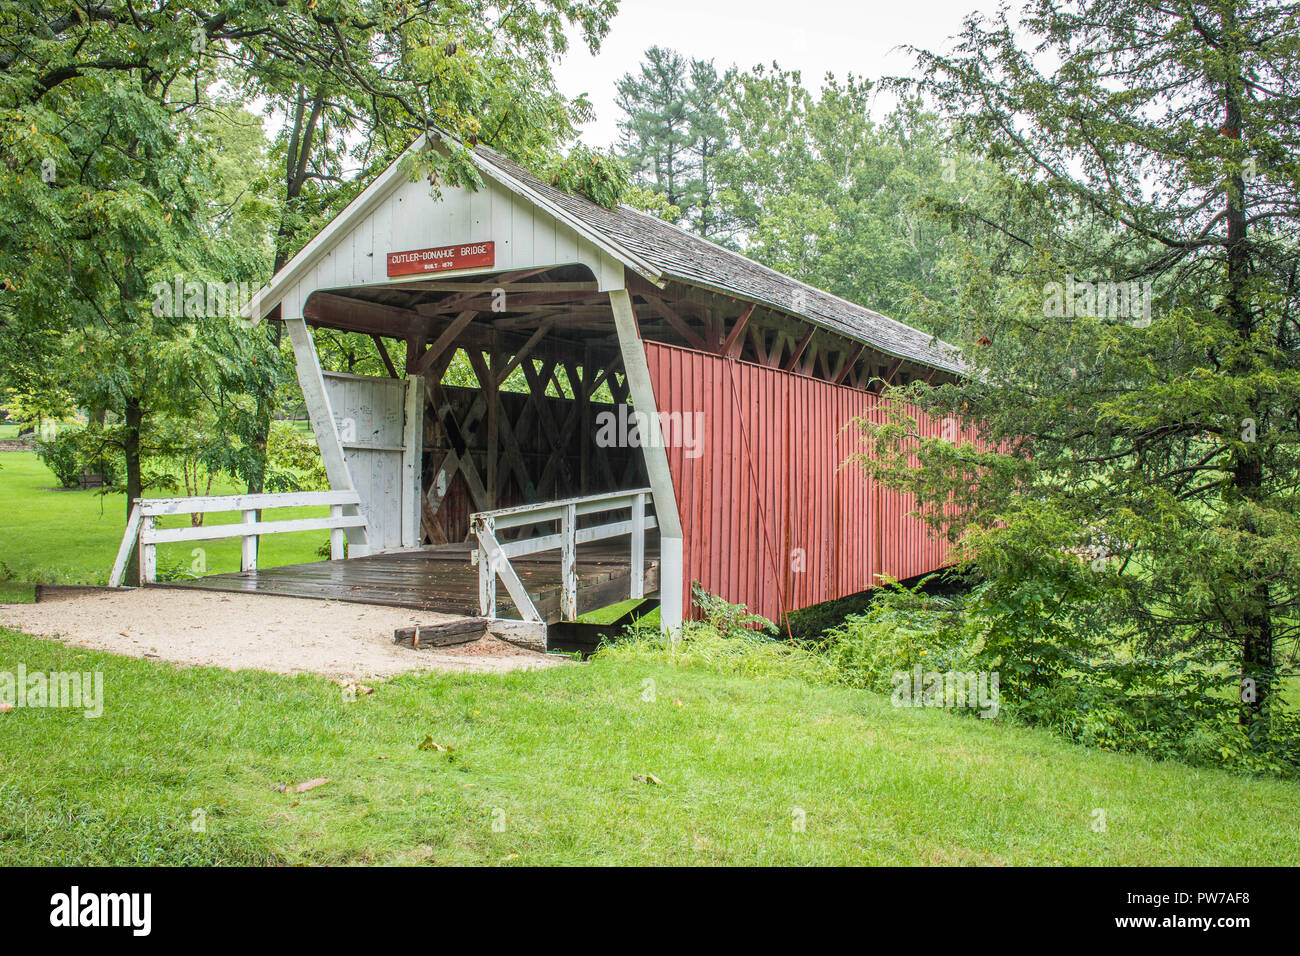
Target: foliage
point(1057, 671)
point(294, 462)
point(1156, 446)
point(804, 181)
point(728, 640)
point(73, 451)
point(901, 628)
point(671, 133)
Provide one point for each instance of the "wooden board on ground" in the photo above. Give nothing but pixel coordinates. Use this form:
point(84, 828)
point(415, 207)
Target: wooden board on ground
point(460, 631)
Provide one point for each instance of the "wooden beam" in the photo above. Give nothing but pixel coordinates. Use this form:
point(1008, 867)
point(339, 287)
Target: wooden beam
point(758, 339)
point(889, 374)
point(329, 308)
point(670, 315)
point(523, 351)
point(460, 631)
point(481, 287)
point(515, 302)
point(734, 342)
point(447, 339)
point(383, 354)
point(799, 349)
point(848, 364)
point(456, 302)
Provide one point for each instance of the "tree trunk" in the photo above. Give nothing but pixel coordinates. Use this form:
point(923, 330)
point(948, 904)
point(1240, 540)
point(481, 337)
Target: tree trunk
point(1256, 626)
point(133, 418)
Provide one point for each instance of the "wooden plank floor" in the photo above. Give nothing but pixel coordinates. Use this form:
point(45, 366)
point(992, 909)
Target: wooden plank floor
point(442, 579)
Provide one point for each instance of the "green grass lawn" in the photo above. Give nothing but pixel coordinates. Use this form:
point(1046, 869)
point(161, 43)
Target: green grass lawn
point(71, 536)
point(553, 758)
point(8, 430)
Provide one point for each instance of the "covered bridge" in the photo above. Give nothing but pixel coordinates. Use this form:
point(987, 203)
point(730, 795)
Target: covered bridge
point(671, 385)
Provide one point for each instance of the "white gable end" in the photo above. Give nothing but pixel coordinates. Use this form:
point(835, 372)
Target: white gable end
point(397, 215)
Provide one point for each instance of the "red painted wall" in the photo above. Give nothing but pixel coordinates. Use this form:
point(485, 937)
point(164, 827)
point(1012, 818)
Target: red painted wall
point(770, 478)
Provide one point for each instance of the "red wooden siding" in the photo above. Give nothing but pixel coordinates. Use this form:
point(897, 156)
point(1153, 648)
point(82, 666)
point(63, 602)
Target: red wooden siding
point(770, 478)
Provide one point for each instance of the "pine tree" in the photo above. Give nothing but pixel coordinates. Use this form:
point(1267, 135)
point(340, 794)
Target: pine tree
point(1138, 370)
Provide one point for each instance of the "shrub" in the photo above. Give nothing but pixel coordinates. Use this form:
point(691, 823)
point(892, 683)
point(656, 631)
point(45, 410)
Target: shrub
point(62, 455)
point(902, 628)
point(293, 463)
point(73, 452)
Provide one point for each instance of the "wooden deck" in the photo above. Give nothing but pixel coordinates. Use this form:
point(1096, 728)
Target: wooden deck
point(442, 579)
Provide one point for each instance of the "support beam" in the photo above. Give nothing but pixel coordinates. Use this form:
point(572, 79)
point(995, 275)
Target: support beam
point(323, 424)
point(637, 370)
point(799, 349)
point(443, 342)
point(671, 316)
point(849, 362)
point(888, 376)
point(412, 456)
point(735, 342)
point(384, 356)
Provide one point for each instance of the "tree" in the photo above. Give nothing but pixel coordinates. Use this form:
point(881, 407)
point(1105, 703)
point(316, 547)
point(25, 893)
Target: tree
point(480, 70)
point(1138, 382)
point(819, 190)
point(109, 174)
point(656, 133)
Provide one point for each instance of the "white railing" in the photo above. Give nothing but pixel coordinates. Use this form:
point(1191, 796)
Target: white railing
point(141, 530)
point(493, 556)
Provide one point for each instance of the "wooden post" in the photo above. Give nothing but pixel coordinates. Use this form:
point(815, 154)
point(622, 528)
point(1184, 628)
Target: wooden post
point(337, 550)
point(248, 555)
point(322, 423)
point(569, 562)
point(638, 547)
point(637, 369)
point(128, 544)
point(493, 419)
point(148, 552)
point(487, 574)
point(412, 455)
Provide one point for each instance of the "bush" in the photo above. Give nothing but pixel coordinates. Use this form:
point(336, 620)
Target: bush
point(73, 452)
point(902, 628)
point(62, 455)
point(1064, 672)
point(293, 463)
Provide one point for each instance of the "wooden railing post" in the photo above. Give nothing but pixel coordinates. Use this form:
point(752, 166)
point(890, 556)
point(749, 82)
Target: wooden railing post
point(248, 554)
point(487, 572)
point(638, 546)
point(148, 552)
point(569, 562)
point(336, 535)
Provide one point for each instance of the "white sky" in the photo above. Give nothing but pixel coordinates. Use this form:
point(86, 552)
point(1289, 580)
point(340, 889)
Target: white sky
point(813, 36)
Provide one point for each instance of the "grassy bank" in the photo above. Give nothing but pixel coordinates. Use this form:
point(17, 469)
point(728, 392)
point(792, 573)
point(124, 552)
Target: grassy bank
point(63, 536)
point(554, 758)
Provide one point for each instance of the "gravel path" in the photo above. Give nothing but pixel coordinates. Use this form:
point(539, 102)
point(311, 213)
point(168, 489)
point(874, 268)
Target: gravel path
point(239, 631)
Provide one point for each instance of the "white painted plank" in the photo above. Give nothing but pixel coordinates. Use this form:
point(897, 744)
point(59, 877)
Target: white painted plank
point(213, 532)
point(128, 544)
point(159, 507)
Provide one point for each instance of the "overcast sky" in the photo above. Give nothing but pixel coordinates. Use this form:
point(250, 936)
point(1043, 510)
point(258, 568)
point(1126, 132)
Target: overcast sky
point(814, 36)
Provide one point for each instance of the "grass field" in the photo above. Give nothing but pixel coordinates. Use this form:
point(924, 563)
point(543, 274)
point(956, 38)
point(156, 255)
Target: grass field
point(62, 536)
point(552, 759)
